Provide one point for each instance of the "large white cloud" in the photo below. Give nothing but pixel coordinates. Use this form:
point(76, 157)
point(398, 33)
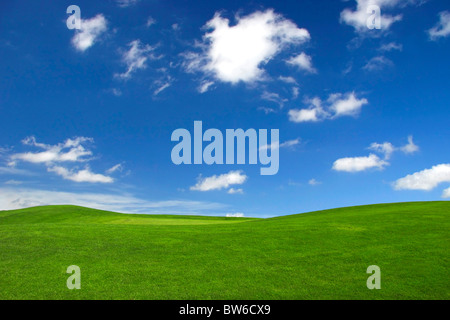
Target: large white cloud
point(425, 180)
point(442, 28)
point(357, 164)
point(222, 181)
point(239, 52)
point(90, 31)
point(337, 105)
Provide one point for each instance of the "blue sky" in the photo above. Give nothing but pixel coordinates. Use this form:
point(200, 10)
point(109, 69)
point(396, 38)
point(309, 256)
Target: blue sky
point(86, 116)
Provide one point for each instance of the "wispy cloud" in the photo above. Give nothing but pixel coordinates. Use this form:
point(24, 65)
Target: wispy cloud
point(273, 97)
point(13, 182)
point(289, 80)
point(442, 28)
point(235, 191)
point(136, 58)
point(286, 144)
point(126, 3)
point(70, 151)
point(378, 63)
point(391, 46)
point(162, 85)
point(150, 22)
point(16, 198)
point(314, 182)
point(204, 86)
point(117, 167)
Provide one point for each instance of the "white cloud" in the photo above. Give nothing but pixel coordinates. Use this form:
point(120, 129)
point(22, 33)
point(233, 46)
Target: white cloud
point(220, 182)
point(446, 193)
point(267, 110)
point(13, 171)
point(84, 175)
point(163, 87)
point(345, 105)
point(305, 115)
point(16, 198)
point(289, 80)
point(116, 92)
point(90, 31)
point(386, 148)
point(314, 182)
point(378, 63)
point(295, 92)
point(286, 144)
point(235, 191)
point(358, 18)
point(204, 86)
point(424, 180)
point(391, 46)
point(357, 164)
point(239, 52)
point(442, 28)
point(302, 61)
point(136, 58)
point(410, 147)
point(372, 161)
point(13, 182)
point(150, 21)
point(273, 97)
point(235, 215)
point(71, 150)
point(117, 167)
point(337, 105)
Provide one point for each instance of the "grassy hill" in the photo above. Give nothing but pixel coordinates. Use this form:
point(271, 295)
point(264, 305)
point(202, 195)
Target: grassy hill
point(317, 255)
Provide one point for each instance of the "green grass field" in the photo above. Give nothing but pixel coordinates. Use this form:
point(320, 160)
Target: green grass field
point(317, 255)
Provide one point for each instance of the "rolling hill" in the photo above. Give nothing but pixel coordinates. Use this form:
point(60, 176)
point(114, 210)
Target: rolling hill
point(317, 255)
